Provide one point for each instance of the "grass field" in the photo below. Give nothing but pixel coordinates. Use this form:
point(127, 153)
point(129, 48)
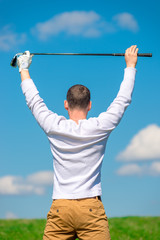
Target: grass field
point(126, 228)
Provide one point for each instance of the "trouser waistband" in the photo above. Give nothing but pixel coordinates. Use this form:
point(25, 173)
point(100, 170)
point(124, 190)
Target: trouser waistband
point(96, 197)
point(79, 199)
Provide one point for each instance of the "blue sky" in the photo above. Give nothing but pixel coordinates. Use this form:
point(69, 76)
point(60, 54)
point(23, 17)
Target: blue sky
point(131, 167)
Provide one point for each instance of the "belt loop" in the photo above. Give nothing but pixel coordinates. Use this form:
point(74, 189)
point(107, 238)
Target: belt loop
point(99, 198)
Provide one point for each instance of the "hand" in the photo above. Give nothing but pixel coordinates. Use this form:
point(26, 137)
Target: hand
point(24, 61)
point(131, 56)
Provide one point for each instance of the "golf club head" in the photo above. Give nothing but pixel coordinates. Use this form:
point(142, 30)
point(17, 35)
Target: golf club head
point(14, 60)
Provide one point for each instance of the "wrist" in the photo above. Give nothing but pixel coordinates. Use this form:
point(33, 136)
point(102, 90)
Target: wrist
point(131, 65)
point(24, 74)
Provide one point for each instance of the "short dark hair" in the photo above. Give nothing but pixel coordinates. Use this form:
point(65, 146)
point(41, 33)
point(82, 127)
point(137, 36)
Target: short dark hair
point(78, 96)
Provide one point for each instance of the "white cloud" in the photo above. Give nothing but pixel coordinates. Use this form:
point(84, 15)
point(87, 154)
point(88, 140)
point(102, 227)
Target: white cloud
point(126, 21)
point(86, 24)
point(131, 169)
point(72, 23)
point(145, 145)
point(33, 184)
point(155, 168)
point(41, 178)
point(10, 215)
point(152, 169)
point(9, 39)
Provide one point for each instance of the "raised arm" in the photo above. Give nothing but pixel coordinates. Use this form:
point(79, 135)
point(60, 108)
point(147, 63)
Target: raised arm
point(46, 118)
point(111, 118)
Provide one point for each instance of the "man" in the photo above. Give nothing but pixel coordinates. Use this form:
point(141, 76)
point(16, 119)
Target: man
point(78, 147)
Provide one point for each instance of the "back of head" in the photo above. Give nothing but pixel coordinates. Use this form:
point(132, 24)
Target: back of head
point(78, 96)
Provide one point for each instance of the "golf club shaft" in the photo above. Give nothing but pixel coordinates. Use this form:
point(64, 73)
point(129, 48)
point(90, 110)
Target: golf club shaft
point(94, 54)
point(14, 60)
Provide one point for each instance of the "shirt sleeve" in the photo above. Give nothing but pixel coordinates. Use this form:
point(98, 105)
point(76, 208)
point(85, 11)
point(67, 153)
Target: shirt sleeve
point(111, 118)
point(45, 118)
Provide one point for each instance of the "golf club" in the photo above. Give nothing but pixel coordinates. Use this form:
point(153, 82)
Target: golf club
point(14, 60)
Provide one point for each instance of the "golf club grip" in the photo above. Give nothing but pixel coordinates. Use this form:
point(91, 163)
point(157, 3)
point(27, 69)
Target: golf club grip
point(94, 54)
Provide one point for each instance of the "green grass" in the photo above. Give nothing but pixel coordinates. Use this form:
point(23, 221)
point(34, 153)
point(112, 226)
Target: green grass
point(21, 229)
point(126, 228)
point(137, 228)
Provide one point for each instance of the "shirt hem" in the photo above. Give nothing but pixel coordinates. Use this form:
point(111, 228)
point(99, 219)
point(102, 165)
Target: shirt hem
point(76, 195)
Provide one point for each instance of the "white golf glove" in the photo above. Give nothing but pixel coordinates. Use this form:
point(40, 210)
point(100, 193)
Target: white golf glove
point(24, 61)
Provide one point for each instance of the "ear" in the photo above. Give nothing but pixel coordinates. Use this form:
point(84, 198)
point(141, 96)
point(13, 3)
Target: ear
point(66, 105)
point(89, 106)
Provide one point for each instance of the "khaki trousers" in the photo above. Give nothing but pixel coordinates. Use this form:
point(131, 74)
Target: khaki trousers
point(83, 218)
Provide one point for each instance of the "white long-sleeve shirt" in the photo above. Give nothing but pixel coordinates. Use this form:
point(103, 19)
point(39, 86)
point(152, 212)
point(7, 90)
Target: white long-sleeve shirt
point(78, 149)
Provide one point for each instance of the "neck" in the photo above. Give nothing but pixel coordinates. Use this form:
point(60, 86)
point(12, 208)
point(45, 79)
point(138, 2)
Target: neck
point(77, 115)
